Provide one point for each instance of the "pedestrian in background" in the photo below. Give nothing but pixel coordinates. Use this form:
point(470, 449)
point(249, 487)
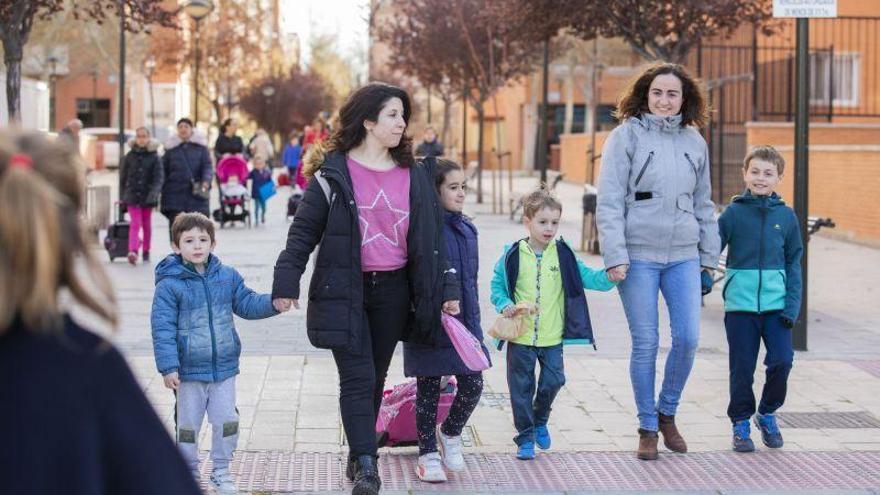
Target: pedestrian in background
point(188, 174)
point(292, 155)
point(657, 228)
point(259, 176)
point(762, 295)
point(261, 146)
point(70, 133)
point(430, 146)
point(228, 142)
point(74, 419)
point(142, 176)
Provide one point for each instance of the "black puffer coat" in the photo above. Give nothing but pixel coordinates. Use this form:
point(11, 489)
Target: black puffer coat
point(183, 164)
point(142, 175)
point(335, 317)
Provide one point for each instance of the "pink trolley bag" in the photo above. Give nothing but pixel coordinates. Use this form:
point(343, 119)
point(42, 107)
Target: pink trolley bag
point(396, 422)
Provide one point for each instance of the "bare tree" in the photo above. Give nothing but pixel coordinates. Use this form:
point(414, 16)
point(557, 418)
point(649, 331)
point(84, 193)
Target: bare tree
point(17, 20)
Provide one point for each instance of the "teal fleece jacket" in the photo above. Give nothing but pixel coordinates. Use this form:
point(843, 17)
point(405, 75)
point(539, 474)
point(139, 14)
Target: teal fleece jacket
point(764, 251)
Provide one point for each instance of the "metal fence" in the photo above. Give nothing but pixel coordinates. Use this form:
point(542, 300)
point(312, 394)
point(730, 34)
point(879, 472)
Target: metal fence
point(755, 81)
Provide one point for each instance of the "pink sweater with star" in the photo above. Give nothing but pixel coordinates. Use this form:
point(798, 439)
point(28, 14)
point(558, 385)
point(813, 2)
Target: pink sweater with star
point(383, 210)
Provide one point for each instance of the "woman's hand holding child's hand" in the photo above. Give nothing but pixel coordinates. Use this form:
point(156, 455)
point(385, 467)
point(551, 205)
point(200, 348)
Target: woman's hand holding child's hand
point(451, 308)
point(283, 305)
point(617, 273)
point(172, 380)
point(509, 311)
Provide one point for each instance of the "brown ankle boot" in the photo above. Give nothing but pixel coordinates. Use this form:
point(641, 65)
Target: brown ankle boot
point(671, 437)
point(647, 445)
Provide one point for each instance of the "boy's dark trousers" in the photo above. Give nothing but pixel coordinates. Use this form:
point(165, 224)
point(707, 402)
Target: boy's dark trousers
point(532, 409)
point(744, 334)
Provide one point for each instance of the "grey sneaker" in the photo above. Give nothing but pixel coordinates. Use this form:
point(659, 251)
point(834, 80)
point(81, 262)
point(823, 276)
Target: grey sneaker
point(430, 469)
point(450, 449)
point(223, 483)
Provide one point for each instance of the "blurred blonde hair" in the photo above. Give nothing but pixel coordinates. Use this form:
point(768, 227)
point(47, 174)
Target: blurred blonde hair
point(41, 235)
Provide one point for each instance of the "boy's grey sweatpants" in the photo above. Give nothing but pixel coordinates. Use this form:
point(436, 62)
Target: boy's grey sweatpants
point(218, 400)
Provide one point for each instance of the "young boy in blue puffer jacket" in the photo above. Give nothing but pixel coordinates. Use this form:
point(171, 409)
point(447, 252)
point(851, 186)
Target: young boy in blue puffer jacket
point(195, 343)
point(762, 294)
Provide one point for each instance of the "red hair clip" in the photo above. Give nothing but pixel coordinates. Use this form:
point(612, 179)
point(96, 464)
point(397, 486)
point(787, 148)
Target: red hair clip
point(20, 160)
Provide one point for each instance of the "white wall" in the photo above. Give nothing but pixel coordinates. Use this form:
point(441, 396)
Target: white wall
point(34, 104)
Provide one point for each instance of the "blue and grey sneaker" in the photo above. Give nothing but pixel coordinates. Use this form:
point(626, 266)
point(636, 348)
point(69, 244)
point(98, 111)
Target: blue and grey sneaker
point(526, 451)
point(741, 437)
point(542, 437)
point(770, 434)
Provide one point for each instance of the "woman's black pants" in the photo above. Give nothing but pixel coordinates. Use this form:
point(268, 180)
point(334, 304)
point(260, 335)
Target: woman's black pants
point(362, 375)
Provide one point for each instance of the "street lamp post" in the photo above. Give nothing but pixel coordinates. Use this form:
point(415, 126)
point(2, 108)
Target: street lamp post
point(197, 10)
point(150, 66)
point(268, 91)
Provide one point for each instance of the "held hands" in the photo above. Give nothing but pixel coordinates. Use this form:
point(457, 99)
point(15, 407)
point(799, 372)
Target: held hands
point(617, 273)
point(283, 305)
point(451, 308)
point(172, 380)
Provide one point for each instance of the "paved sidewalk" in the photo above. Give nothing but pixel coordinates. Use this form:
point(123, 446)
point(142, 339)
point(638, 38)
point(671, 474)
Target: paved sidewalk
point(288, 393)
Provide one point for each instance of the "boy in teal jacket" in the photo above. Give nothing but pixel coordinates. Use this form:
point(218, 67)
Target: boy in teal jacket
point(545, 271)
point(762, 294)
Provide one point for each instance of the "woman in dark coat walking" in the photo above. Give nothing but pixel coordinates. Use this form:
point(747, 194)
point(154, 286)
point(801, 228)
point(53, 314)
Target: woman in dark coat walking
point(142, 177)
point(429, 363)
point(188, 174)
point(228, 143)
point(74, 419)
point(381, 274)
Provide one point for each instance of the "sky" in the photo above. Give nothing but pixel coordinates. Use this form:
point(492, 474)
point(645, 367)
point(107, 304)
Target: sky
point(346, 18)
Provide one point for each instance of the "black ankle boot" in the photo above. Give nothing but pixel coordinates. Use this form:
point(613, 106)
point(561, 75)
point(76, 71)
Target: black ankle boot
point(366, 477)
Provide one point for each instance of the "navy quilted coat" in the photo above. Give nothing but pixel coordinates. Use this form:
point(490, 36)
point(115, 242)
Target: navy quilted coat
point(460, 238)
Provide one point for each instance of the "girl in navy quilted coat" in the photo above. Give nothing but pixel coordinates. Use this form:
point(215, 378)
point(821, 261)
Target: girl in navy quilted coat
point(430, 363)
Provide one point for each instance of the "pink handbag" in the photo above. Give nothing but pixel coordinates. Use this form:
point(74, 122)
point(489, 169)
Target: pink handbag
point(469, 349)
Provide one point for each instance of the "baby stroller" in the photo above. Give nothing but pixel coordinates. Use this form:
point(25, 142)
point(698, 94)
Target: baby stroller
point(232, 173)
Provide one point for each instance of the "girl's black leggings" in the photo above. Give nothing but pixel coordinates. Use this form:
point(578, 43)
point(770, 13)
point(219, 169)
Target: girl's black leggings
point(470, 387)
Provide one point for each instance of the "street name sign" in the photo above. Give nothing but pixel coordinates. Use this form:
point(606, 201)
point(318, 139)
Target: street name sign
point(805, 8)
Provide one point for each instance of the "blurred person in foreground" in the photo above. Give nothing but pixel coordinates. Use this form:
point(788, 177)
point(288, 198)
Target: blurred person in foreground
point(74, 420)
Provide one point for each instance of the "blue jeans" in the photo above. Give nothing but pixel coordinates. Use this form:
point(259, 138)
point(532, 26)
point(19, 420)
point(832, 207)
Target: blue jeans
point(259, 210)
point(680, 284)
point(744, 334)
point(532, 409)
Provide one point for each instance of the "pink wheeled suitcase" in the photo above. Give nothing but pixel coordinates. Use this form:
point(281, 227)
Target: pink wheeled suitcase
point(396, 423)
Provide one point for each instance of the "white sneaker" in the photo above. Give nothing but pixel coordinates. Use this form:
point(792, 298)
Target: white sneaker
point(450, 448)
point(223, 483)
point(430, 469)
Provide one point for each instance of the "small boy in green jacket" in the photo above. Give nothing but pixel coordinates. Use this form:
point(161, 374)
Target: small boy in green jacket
point(547, 273)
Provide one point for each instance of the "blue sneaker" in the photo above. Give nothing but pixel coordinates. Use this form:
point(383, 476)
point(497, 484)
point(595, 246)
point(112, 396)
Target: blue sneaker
point(542, 437)
point(741, 437)
point(526, 451)
point(770, 433)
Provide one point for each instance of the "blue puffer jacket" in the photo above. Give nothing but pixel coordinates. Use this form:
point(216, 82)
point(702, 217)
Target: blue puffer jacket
point(764, 251)
point(460, 238)
point(193, 330)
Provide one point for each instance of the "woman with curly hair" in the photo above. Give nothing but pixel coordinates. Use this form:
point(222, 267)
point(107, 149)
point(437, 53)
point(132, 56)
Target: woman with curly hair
point(657, 229)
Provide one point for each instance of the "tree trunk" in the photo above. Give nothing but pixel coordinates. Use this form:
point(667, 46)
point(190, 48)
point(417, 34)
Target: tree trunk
point(447, 117)
point(569, 101)
point(481, 117)
point(12, 49)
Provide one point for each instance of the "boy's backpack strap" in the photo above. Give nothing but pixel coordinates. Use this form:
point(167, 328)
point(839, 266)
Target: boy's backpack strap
point(325, 185)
